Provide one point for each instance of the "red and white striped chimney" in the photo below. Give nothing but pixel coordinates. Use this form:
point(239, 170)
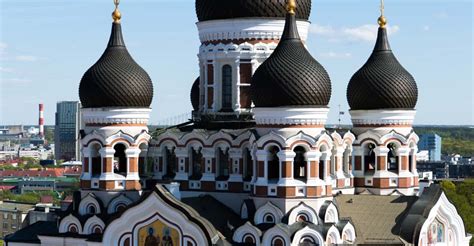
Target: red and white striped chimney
point(41, 120)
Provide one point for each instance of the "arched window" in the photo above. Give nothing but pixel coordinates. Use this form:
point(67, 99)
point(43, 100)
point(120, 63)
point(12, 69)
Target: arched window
point(273, 165)
point(91, 209)
point(269, 218)
point(223, 164)
point(170, 163)
point(97, 230)
point(120, 207)
point(96, 160)
point(196, 164)
point(278, 241)
point(369, 158)
point(120, 159)
point(299, 164)
point(392, 157)
point(227, 87)
point(72, 228)
point(248, 165)
point(307, 241)
point(249, 239)
point(302, 218)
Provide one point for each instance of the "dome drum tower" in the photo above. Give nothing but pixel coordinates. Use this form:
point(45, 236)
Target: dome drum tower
point(116, 94)
point(382, 96)
point(236, 37)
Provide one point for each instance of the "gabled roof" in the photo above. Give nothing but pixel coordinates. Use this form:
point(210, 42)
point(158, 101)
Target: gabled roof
point(30, 233)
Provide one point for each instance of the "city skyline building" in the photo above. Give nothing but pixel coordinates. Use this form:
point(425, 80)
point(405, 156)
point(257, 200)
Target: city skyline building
point(66, 131)
point(432, 143)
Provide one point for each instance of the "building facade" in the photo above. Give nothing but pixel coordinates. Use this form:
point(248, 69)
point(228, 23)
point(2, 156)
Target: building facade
point(432, 143)
point(256, 165)
point(66, 131)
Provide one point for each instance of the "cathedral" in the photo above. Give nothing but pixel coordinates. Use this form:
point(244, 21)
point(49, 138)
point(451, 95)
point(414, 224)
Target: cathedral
point(255, 165)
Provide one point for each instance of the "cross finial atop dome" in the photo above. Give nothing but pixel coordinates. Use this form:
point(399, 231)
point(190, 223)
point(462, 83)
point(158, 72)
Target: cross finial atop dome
point(291, 6)
point(116, 15)
point(382, 20)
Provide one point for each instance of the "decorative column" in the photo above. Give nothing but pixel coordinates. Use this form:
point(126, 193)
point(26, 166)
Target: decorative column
point(314, 185)
point(236, 85)
point(132, 180)
point(261, 183)
point(286, 183)
point(235, 180)
point(339, 159)
point(325, 162)
point(107, 178)
point(209, 176)
point(182, 157)
point(405, 177)
point(86, 168)
point(381, 177)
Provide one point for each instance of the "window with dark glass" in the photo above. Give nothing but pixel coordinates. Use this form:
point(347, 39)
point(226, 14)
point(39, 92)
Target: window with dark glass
point(226, 87)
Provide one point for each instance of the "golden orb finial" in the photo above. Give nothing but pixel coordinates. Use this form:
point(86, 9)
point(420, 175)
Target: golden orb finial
point(291, 6)
point(116, 15)
point(382, 20)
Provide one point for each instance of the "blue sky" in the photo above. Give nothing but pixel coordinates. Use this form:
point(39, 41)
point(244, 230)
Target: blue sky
point(46, 46)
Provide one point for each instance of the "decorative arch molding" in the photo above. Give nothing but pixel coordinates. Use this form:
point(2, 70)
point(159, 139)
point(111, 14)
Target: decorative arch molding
point(446, 213)
point(303, 138)
point(120, 199)
point(68, 221)
point(93, 136)
point(350, 231)
point(333, 236)
point(220, 136)
point(120, 136)
point(385, 139)
point(86, 202)
point(91, 224)
point(271, 137)
point(161, 206)
point(167, 135)
point(268, 208)
point(349, 137)
point(308, 232)
point(194, 135)
point(337, 139)
point(329, 213)
point(302, 208)
point(247, 229)
point(273, 233)
point(369, 135)
point(413, 138)
point(324, 139)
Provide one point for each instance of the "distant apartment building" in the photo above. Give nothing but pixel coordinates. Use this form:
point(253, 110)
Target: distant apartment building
point(13, 216)
point(66, 135)
point(440, 169)
point(432, 143)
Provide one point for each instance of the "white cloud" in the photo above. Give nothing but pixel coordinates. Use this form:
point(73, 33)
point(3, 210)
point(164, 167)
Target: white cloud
point(426, 28)
point(6, 70)
point(366, 33)
point(3, 47)
point(25, 58)
point(335, 55)
point(15, 81)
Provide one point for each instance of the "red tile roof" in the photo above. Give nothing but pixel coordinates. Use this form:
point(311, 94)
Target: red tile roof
point(33, 173)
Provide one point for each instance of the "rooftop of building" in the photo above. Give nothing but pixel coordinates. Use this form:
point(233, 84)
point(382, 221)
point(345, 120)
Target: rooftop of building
point(15, 206)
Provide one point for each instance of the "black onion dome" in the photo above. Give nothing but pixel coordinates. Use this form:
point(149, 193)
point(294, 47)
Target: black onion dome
point(116, 80)
point(195, 94)
point(229, 9)
point(382, 83)
point(291, 76)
